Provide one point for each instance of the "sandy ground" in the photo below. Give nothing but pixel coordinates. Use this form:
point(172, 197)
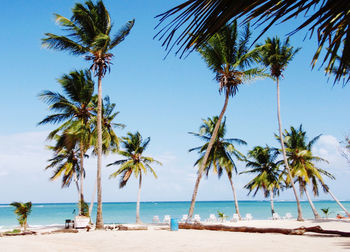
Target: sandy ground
point(186, 240)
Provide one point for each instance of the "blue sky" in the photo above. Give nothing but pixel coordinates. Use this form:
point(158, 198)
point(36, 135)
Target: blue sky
point(163, 99)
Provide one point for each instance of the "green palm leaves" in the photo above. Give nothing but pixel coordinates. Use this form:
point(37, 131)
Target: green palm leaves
point(198, 20)
point(89, 34)
point(134, 162)
point(262, 162)
point(22, 210)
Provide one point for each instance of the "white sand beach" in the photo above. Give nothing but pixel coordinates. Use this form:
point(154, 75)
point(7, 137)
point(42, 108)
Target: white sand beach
point(186, 240)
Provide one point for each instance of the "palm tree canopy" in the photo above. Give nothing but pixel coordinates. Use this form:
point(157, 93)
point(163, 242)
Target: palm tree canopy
point(199, 20)
point(133, 160)
point(302, 161)
point(22, 210)
point(276, 55)
point(65, 162)
point(220, 156)
point(88, 33)
point(75, 105)
point(227, 55)
point(262, 161)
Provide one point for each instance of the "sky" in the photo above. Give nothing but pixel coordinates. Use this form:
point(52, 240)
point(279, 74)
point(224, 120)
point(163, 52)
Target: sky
point(162, 98)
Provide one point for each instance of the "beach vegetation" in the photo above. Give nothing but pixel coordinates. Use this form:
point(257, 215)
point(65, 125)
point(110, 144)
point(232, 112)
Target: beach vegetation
point(193, 23)
point(222, 153)
point(222, 216)
point(22, 210)
point(88, 33)
point(276, 55)
point(228, 55)
point(134, 162)
point(262, 161)
point(326, 212)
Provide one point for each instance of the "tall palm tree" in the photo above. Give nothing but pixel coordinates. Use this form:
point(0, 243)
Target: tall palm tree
point(302, 162)
point(227, 55)
point(22, 210)
point(262, 161)
point(110, 141)
point(74, 110)
point(134, 163)
point(89, 34)
point(220, 157)
point(198, 20)
point(277, 55)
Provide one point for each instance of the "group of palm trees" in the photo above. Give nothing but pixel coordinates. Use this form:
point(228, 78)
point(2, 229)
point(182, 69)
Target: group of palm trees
point(87, 120)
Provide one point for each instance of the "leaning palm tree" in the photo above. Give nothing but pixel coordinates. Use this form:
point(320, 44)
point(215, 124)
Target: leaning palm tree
point(277, 55)
point(262, 161)
point(220, 158)
point(89, 34)
point(198, 20)
point(73, 109)
point(22, 210)
point(134, 163)
point(302, 163)
point(227, 55)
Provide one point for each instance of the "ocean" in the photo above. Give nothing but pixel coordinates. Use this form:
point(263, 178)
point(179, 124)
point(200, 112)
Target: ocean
point(124, 212)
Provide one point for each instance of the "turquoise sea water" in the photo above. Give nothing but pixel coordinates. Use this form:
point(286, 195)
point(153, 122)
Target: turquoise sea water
point(56, 213)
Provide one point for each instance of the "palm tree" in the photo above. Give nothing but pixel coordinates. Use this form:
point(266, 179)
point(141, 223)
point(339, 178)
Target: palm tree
point(262, 161)
point(302, 161)
point(197, 21)
point(227, 55)
point(277, 55)
point(110, 139)
point(134, 163)
point(22, 210)
point(220, 156)
point(74, 109)
point(89, 34)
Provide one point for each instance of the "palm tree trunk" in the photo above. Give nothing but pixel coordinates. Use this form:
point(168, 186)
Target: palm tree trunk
point(271, 202)
point(317, 216)
point(234, 197)
point(205, 158)
point(93, 198)
point(300, 217)
point(81, 177)
point(336, 200)
point(99, 219)
point(138, 220)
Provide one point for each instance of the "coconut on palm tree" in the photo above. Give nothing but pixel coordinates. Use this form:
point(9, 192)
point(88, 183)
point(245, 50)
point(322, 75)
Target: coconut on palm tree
point(88, 33)
point(227, 55)
point(134, 162)
point(220, 158)
point(22, 210)
point(262, 161)
point(74, 110)
point(303, 167)
point(277, 55)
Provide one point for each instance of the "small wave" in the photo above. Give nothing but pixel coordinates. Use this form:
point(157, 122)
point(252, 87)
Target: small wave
point(39, 206)
point(6, 206)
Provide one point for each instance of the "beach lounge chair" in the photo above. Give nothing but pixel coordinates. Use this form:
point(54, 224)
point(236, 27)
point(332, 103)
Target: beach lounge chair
point(166, 219)
point(212, 218)
point(155, 219)
point(288, 216)
point(248, 217)
point(184, 218)
point(276, 216)
point(235, 218)
point(197, 218)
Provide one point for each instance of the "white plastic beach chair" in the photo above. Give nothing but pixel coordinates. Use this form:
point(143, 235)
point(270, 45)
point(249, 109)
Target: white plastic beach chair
point(212, 218)
point(155, 219)
point(276, 216)
point(288, 216)
point(184, 218)
point(197, 218)
point(166, 219)
point(248, 217)
point(235, 218)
